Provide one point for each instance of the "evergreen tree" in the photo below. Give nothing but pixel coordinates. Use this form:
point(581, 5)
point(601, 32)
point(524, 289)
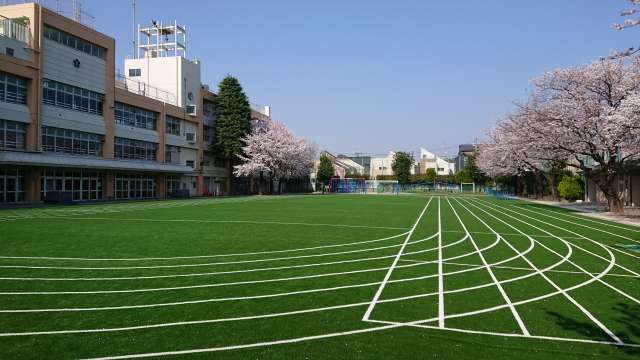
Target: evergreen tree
point(325, 170)
point(233, 123)
point(402, 163)
point(430, 175)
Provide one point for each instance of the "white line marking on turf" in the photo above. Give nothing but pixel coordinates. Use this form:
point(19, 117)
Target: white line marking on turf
point(203, 256)
point(196, 265)
point(583, 225)
point(229, 222)
point(393, 265)
point(552, 283)
point(583, 237)
point(245, 346)
point(612, 260)
point(466, 331)
point(506, 298)
point(586, 218)
point(440, 271)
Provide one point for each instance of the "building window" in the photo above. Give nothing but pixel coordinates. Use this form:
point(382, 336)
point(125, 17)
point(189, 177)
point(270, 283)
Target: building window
point(11, 185)
point(74, 42)
point(173, 184)
point(171, 154)
point(12, 135)
point(13, 89)
point(135, 72)
point(172, 125)
point(208, 108)
point(135, 149)
point(132, 186)
point(9, 51)
point(191, 163)
point(72, 97)
point(71, 141)
point(84, 185)
point(134, 116)
point(208, 134)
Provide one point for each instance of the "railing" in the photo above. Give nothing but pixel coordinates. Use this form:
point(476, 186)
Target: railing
point(144, 89)
point(68, 8)
point(14, 30)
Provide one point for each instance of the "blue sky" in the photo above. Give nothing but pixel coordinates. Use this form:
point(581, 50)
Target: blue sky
point(373, 76)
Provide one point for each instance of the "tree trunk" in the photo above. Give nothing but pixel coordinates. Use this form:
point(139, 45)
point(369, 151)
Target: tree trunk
point(552, 180)
point(608, 185)
point(260, 183)
point(322, 184)
point(229, 175)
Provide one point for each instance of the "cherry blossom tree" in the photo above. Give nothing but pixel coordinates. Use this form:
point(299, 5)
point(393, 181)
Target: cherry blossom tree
point(586, 116)
point(508, 153)
point(629, 22)
point(273, 150)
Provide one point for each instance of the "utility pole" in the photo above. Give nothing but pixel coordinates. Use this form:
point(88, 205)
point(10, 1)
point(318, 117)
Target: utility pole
point(133, 33)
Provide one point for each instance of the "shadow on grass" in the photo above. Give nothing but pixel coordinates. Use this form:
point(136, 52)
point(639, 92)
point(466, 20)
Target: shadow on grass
point(626, 315)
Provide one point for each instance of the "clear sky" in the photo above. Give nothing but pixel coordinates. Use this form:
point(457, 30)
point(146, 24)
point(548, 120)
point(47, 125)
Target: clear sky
point(372, 76)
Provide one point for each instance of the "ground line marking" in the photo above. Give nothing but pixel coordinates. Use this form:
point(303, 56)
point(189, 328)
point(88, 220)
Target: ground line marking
point(440, 277)
point(395, 262)
point(506, 298)
point(552, 283)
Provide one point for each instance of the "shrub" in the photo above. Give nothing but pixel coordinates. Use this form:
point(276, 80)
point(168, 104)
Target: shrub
point(570, 188)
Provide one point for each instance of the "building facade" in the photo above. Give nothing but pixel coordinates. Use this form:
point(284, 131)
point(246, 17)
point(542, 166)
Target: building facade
point(429, 160)
point(464, 152)
point(69, 123)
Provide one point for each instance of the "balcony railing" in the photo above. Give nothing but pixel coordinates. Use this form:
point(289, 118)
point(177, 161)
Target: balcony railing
point(144, 89)
point(15, 30)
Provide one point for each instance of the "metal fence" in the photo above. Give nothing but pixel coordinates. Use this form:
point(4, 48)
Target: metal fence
point(14, 30)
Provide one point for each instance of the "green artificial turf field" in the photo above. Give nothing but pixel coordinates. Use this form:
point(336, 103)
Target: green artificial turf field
point(317, 277)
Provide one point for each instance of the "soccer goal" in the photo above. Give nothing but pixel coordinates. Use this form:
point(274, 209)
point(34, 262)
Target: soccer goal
point(383, 187)
point(468, 187)
point(351, 186)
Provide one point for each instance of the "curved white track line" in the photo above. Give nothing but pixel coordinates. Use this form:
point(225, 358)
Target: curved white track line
point(583, 225)
point(202, 256)
point(564, 292)
point(200, 264)
point(376, 296)
point(506, 298)
point(592, 220)
point(611, 260)
point(347, 286)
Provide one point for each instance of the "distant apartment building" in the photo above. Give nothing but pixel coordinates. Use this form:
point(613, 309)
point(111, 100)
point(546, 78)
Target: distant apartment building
point(69, 123)
point(464, 152)
point(429, 160)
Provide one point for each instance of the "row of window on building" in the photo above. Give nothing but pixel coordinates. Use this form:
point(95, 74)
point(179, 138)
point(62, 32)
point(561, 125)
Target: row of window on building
point(13, 89)
point(74, 42)
point(66, 141)
point(83, 185)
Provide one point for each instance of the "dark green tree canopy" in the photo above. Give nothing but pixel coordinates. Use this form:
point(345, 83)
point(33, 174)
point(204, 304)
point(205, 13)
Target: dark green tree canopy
point(325, 169)
point(233, 118)
point(430, 174)
point(402, 163)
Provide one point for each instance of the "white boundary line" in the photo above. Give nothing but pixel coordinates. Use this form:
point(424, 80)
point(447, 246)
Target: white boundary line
point(612, 259)
point(393, 265)
point(245, 346)
point(440, 271)
point(583, 225)
point(203, 256)
point(250, 222)
point(506, 298)
point(586, 312)
point(586, 217)
point(540, 337)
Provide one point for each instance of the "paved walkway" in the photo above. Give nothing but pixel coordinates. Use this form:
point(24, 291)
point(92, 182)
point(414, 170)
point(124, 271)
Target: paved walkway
point(631, 215)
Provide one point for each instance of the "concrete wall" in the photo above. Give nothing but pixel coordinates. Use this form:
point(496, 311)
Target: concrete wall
point(20, 49)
